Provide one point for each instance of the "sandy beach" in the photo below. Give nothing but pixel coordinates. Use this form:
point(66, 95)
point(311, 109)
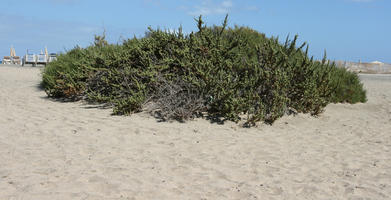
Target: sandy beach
point(53, 150)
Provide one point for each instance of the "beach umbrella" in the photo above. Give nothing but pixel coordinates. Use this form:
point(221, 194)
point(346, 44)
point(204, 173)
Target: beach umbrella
point(12, 53)
point(46, 52)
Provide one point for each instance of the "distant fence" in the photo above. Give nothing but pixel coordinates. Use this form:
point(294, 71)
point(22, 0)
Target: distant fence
point(366, 68)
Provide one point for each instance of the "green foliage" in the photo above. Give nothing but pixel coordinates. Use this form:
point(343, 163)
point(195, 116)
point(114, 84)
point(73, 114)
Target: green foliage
point(347, 87)
point(66, 77)
point(223, 72)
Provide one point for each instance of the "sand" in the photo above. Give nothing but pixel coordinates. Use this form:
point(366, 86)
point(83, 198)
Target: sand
point(375, 67)
point(52, 150)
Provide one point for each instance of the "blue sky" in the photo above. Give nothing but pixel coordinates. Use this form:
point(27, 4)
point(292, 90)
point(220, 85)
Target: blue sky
point(349, 30)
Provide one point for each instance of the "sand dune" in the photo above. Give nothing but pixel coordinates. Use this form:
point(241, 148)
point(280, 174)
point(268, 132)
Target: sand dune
point(52, 150)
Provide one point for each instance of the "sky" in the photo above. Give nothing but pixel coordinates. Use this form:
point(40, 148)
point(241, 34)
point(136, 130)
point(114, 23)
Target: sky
point(349, 30)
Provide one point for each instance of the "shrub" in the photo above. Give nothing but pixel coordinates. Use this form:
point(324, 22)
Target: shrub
point(66, 77)
point(218, 71)
point(347, 87)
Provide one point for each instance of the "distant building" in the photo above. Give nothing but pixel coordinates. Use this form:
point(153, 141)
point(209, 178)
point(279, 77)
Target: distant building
point(375, 67)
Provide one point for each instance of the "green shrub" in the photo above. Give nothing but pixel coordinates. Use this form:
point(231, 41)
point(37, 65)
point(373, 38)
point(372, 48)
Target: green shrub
point(222, 72)
point(66, 77)
point(347, 87)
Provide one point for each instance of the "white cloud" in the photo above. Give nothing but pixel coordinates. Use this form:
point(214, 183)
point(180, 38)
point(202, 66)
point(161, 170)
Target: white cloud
point(216, 7)
point(251, 8)
point(227, 4)
point(209, 7)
